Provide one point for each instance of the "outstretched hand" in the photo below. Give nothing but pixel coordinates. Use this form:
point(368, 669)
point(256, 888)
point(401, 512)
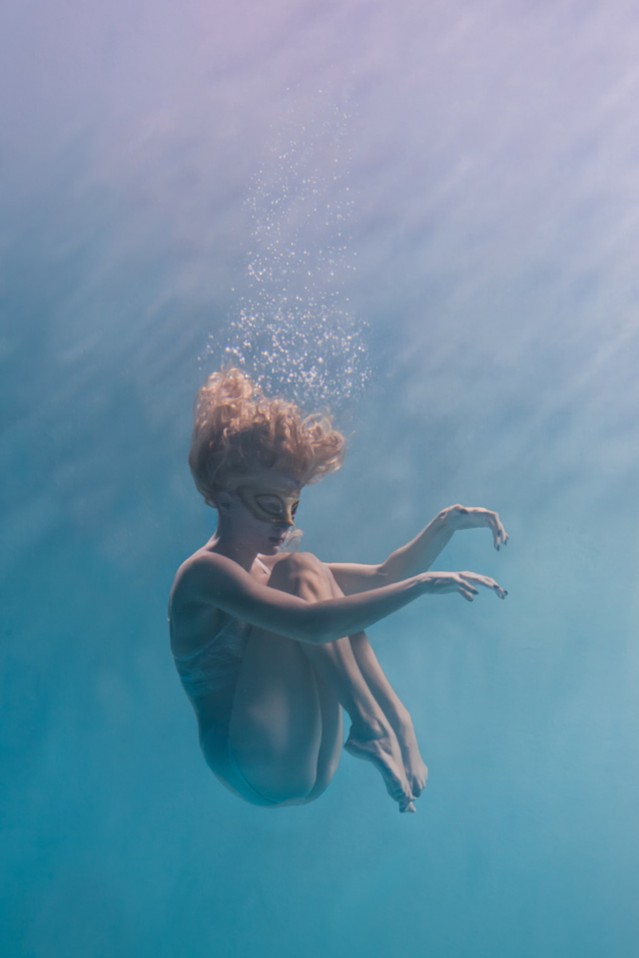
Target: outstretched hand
point(464, 517)
point(463, 582)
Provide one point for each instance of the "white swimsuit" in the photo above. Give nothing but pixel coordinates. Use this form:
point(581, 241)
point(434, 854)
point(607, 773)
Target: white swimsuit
point(214, 667)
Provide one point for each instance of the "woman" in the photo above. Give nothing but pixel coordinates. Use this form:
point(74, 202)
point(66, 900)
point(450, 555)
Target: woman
point(269, 645)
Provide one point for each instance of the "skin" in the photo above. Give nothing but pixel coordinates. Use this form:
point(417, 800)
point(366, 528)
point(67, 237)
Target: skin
point(275, 738)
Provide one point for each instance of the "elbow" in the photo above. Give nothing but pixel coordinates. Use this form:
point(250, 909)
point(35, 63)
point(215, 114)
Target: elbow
point(383, 574)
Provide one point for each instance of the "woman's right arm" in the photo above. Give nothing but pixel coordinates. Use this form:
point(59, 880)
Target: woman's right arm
point(215, 580)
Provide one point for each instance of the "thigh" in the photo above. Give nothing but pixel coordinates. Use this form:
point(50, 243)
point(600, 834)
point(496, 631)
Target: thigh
point(285, 734)
point(214, 743)
point(306, 575)
point(275, 728)
point(330, 749)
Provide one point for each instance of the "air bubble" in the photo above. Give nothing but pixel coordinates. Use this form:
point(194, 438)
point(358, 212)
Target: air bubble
point(293, 331)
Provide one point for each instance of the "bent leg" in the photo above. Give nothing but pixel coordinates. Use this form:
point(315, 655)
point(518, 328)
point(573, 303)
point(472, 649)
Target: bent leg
point(275, 728)
point(394, 710)
point(285, 728)
point(285, 734)
point(338, 673)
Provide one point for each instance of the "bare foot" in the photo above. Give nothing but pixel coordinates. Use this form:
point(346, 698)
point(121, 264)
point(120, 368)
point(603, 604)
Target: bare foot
point(380, 746)
point(414, 765)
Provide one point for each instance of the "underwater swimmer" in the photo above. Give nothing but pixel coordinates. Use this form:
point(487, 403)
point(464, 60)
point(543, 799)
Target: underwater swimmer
point(270, 645)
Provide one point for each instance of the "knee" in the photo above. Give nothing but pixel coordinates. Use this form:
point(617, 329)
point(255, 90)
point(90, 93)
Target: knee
point(299, 562)
point(300, 569)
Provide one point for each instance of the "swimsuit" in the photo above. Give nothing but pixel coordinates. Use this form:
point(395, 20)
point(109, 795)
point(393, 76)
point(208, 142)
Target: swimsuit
point(214, 667)
point(213, 670)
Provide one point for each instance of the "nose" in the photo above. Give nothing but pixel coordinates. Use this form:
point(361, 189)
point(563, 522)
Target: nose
point(288, 519)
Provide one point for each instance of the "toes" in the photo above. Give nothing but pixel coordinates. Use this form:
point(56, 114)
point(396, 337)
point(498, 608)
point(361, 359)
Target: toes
point(418, 782)
point(399, 792)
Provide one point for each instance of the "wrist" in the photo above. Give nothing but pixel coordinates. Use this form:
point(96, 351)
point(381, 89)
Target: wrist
point(442, 518)
point(444, 524)
point(449, 519)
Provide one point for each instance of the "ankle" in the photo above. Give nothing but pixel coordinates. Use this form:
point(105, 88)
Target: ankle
point(401, 721)
point(368, 727)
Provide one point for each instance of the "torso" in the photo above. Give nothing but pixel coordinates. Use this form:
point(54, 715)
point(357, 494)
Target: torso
point(207, 644)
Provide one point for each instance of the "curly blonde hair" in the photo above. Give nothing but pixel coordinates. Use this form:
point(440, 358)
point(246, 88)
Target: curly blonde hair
point(239, 431)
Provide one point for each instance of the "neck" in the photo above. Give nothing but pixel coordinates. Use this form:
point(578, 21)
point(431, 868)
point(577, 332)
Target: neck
point(239, 550)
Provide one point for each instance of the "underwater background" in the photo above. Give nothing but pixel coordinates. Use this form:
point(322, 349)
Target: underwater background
point(426, 215)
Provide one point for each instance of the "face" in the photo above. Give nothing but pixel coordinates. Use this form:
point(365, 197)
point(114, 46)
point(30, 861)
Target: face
point(270, 505)
point(272, 499)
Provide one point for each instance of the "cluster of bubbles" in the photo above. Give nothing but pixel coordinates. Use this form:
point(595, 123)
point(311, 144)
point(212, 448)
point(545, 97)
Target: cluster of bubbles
point(293, 332)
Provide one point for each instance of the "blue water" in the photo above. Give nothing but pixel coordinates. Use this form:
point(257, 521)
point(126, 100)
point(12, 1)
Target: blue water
point(490, 152)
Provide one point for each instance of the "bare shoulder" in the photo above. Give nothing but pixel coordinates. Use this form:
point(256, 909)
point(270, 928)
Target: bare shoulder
point(193, 613)
point(200, 572)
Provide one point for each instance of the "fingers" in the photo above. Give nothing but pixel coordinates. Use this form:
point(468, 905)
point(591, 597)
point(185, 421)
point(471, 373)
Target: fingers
point(468, 517)
point(500, 536)
point(496, 526)
point(483, 580)
point(466, 583)
point(466, 590)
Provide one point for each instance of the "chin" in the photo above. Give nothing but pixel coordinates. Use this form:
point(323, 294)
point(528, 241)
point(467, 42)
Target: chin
point(273, 545)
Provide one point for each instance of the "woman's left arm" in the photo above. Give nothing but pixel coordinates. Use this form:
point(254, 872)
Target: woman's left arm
point(419, 554)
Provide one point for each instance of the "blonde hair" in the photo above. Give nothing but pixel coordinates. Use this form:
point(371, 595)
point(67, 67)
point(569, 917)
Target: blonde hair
point(239, 431)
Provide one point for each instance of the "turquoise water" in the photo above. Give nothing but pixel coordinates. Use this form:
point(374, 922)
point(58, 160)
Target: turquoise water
point(490, 156)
